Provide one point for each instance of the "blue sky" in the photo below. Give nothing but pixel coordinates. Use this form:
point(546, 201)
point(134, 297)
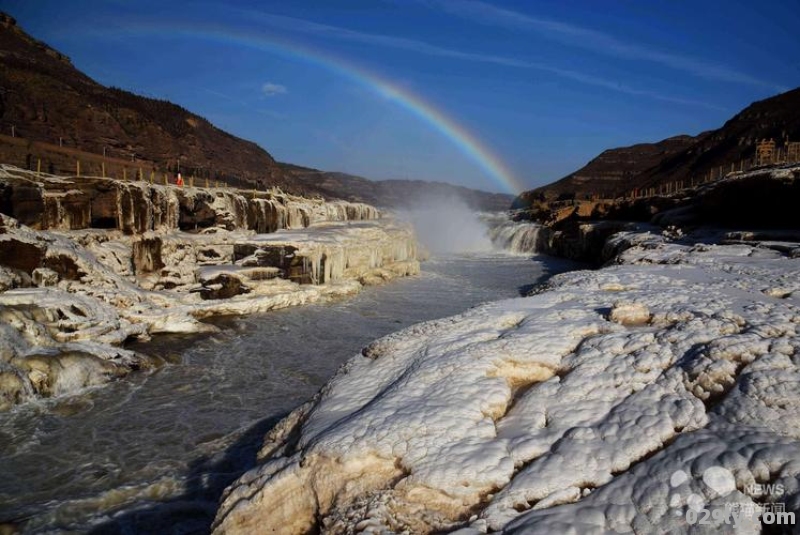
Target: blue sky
point(541, 87)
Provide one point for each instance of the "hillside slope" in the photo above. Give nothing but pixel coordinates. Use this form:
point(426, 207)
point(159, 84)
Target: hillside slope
point(46, 99)
point(60, 115)
point(613, 169)
point(776, 118)
point(392, 193)
point(616, 172)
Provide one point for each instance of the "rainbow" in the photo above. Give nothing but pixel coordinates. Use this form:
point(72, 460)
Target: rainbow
point(466, 142)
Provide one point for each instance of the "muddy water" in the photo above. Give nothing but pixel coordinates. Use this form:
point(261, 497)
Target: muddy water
point(153, 452)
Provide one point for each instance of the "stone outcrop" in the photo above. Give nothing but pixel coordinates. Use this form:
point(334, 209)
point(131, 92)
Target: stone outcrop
point(763, 199)
point(584, 241)
point(48, 202)
point(581, 241)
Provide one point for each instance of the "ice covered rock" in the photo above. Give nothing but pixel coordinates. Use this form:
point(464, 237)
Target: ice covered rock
point(629, 313)
point(222, 286)
point(124, 259)
point(44, 277)
point(49, 202)
point(98, 289)
point(617, 401)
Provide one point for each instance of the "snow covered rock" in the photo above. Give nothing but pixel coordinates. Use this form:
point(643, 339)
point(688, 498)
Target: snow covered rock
point(629, 313)
point(71, 295)
point(620, 400)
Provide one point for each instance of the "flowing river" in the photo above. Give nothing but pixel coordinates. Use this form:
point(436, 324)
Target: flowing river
point(153, 452)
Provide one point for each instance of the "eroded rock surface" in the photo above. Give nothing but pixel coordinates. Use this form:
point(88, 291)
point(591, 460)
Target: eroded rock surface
point(49, 202)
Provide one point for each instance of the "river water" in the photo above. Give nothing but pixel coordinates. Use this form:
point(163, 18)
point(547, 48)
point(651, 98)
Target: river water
point(153, 452)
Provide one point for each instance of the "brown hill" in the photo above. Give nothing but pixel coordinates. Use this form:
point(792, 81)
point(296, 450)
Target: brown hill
point(393, 193)
point(616, 172)
point(776, 118)
point(48, 101)
point(61, 116)
point(612, 170)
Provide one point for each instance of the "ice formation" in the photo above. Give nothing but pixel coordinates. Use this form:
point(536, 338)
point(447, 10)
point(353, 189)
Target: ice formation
point(71, 295)
point(49, 202)
point(608, 403)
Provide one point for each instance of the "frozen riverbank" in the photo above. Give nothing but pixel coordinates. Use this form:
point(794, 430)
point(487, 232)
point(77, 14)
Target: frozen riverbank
point(152, 453)
point(616, 401)
point(72, 294)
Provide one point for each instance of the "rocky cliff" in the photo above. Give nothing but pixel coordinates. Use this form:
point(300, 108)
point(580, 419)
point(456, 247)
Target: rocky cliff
point(45, 202)
point(761, 200)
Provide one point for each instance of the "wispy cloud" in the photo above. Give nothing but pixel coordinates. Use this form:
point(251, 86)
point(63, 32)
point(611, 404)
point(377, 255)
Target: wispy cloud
point(271, 89)
point(323, 30)
point(596, 41)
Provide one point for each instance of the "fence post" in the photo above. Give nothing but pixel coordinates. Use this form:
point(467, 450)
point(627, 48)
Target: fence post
point(77, 168)
point(206, 182)
point(166, 180)
point(38, 166)
point(103, 168)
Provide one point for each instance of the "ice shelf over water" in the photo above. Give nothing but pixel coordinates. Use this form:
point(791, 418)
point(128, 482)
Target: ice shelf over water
point(613, 401)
